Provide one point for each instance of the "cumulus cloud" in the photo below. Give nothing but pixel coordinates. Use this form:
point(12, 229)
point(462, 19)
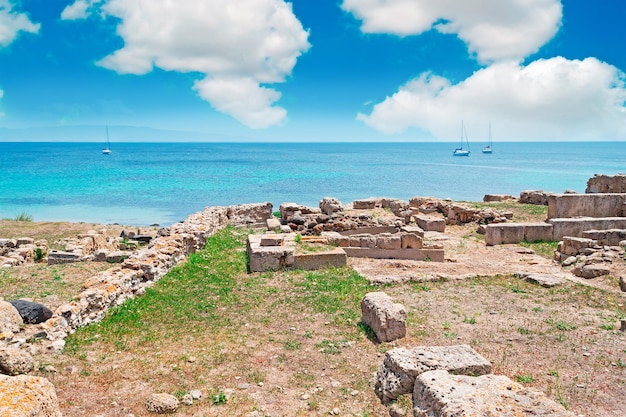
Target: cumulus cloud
point(237, 47)
point(80, 9)
point(549, 99)
point(493, 30)
point(12, 23)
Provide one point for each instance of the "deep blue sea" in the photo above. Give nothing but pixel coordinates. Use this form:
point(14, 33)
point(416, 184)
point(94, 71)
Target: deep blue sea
point(147, 183)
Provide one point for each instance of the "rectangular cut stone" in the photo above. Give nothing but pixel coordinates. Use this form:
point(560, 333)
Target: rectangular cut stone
point(386, 318)
point(372, 230)
point(504, 233)
point(576, 227)
point(411, 241)
point(367, 204)
point(269, 258)
point(537, 232)
point(431, 224)
point(310, 261)
point(396, 375)
point(439, 394)
point(58, 257)
point(416, 230)
point(389, 241)
point(273, 223)
point(611, 237)
point(271, 240)
point(587, 205)
point(435, 255)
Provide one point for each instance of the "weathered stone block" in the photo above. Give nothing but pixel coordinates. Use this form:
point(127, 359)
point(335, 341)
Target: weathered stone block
point(439, 394)
point(58, 257)
point(396, 375)
point(587, 205)
point(162, 403)
point(431, 254)
point(10, 319)
point(388, 241)
point(310, 261)
point(504, 233)
point(411, 241)
point(330, 205)
point(27, 396)
point(15, 361)
point(367, 204)
point(416, 230)
point(272, 240)
point(431, 224)
point(489, 198)
point(386, 318)
point(537, 232)
point(273, 223)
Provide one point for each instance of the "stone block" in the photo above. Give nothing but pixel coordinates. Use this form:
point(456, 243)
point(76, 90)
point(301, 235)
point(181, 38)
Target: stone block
point(411, 241)
point(367, 204)
point(591, 271)
point(431, 254)
point(14, 361)
point(386, 318)
point(431, 223)
point(59, 257)
point(396, 375)
point(161, 403)
point(545, 280)
point(490, 198)
point(437, 393)
point(575, 227)
point(416, 230)
point(389, 241)
point(24, 395)
point(273, 223)
point(10, 319)
point(310, 261)
point(504, 233)
point(586, 205)
point(330, 205)
point(272, 240)
point(611, 237)
point(537, 232)
point(573, 246)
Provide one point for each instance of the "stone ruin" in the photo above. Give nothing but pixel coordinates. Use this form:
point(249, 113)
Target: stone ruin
point(90, 246)
point(24, 395)
point(444, 380)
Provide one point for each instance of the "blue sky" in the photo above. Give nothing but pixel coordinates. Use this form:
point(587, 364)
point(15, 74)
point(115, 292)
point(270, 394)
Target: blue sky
point(312, 70)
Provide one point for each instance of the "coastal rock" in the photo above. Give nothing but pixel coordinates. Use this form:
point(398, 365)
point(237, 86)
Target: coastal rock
point(23, 395)
point(162, 403)
point(31, 312)
point(15, 361)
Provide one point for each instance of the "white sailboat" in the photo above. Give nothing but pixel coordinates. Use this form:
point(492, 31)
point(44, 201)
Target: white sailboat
point(489, 148)
point(460, 151)
point(107, 150)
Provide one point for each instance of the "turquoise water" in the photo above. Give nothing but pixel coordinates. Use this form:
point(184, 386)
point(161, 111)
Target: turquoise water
point(147, 183)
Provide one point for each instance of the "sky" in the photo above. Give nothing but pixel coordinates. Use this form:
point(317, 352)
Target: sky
point(312, 70)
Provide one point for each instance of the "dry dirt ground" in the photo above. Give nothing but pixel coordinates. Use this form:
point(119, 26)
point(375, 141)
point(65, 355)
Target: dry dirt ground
point(277, 361)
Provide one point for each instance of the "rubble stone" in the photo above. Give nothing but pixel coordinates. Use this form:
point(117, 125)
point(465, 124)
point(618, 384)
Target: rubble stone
point(386, 318)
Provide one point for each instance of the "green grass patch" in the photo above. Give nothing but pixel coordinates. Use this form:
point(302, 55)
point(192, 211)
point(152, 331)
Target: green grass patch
point(542, 248)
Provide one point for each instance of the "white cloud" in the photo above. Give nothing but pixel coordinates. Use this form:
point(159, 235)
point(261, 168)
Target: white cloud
point(11, 23)
point(493, 30)
point(551, 99)
point(80, 9)
point(237, 46)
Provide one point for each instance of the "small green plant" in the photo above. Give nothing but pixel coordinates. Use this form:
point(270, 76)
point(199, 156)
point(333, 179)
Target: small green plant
point(524, 379)
point(524, 331)
point(607, 327)
point(39, 254)
point(292, 345)
point(218, 398)
point(298, 238)
point(620, 364)
point(446, 325)
point(449, 335)
point(537, 309)
point(561, 325)
point(23, 217)
point(469, 320)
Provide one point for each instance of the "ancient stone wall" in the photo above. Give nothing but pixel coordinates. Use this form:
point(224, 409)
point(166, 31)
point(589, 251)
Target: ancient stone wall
point(606, 184)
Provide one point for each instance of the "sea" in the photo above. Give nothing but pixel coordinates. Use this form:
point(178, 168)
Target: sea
point(163, 183)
